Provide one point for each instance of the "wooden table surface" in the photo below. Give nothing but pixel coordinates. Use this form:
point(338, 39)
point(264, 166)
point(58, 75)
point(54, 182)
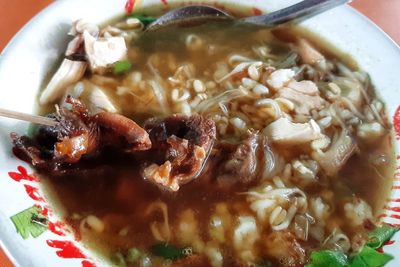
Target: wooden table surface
point(14, 14)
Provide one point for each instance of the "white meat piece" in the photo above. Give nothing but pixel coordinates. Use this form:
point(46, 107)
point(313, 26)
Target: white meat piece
point(303, 103)
point(68, 73)
point(103, 52)
point(342, 148)
point(285, 132)
point(308, 54)
point(77, 29)
point(74, 45)
point(81, 25)
point(280, 78)
point(304, 87)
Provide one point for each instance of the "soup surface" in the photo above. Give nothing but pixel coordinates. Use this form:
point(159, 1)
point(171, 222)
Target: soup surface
point(264, 146)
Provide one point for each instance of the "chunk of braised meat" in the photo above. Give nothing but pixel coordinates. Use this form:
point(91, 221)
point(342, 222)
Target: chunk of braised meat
point(197, 129)
point(181, 145)
point(75, 135)
point(79, 134)
point(244, 163)
point(241, 165)
point(136, 137)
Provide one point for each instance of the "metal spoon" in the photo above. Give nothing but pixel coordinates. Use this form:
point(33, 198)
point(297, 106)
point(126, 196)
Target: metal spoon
point(188, 15)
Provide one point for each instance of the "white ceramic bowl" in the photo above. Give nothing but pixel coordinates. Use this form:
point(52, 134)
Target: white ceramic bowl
point(36, 50)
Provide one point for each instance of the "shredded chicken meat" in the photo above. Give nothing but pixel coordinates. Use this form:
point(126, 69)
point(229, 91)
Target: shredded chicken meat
point(304, 95)
point(285, 132)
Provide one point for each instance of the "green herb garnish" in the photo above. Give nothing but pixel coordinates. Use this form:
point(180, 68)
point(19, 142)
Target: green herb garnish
point(121, 67)
point(145, 19)
point(167, 251)
point(328, 258)
point(367, 257)
point(380, 235)
point(30, 222)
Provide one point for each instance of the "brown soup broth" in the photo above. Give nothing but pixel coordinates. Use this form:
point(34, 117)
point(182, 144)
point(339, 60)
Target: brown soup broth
point(112, 188)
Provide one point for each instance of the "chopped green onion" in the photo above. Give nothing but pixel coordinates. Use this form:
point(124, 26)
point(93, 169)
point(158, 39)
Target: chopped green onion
point(167, 251)
point(122, 67)
point(145, 19)
point(380, 235)
point(30, 222)
point(328, 258)
point(367, 257)
point(357, 261)
point(371, 258)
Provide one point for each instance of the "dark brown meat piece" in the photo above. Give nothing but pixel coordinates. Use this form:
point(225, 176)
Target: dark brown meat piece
point(241, 166)
point(78, 134)
point(181, 145)
point(75, 135)
point(136, 136)
point(198, 130)
point(244, 163)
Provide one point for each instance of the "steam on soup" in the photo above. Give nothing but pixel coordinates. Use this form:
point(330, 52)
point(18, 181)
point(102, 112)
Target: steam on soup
point(214, 145)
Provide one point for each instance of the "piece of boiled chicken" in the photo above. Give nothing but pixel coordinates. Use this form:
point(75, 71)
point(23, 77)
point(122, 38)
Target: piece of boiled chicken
point(284, 132)
point(305, 96)
point(103, 52)
point(86, 48)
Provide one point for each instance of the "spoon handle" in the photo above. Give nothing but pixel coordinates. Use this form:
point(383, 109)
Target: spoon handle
point(299, 11)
